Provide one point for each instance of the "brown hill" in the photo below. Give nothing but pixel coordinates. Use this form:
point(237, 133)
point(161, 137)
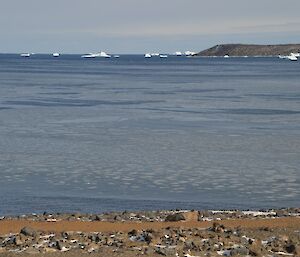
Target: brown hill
point(250, 50)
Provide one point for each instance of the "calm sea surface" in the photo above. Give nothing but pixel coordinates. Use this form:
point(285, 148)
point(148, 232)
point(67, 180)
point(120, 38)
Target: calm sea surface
point(95, 135)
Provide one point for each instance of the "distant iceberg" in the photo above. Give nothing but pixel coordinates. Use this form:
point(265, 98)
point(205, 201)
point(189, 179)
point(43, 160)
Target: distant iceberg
point(189, 53)
point(103, 54)
point(91, 55)
point(25, 55)
point(94, 55)
point(163, 56)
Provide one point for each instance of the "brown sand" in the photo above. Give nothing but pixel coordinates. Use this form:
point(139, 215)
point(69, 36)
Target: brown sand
point(14, 226)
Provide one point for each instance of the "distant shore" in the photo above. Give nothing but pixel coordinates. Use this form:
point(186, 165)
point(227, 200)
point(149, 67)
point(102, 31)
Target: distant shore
point(156, 233)
point(250, 50)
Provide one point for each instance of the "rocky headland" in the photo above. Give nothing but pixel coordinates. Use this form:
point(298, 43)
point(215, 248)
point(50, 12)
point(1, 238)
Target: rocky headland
point(158, 233)
point(250, 50)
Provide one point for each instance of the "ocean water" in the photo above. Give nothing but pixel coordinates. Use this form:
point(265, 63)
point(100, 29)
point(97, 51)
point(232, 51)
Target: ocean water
point(95, 135)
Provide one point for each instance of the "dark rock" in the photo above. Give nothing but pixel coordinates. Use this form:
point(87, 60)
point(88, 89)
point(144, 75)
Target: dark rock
point(27, 231)
point(60, 245)
point(290, 248)
point(148, 237)
point(65, 235)
point(133, 232)
point(266, 229)
point(98, 239)
point(175, 217)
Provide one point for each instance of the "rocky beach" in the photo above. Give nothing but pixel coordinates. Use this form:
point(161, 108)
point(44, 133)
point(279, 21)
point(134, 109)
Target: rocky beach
point(153, 233)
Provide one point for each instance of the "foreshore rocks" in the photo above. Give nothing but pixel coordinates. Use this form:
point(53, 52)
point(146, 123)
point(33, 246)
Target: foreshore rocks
point(164, 242)
point(154, 216)
point(180, 241)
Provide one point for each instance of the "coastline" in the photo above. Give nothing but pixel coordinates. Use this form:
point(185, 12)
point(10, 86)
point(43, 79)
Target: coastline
point(250, 50)
point(159, 233)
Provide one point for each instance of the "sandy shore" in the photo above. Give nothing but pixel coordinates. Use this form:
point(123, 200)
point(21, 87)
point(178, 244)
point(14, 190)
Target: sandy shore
point(192, 233)
point(14, 226)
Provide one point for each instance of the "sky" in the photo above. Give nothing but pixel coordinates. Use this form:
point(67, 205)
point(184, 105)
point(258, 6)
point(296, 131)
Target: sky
point(140, 26)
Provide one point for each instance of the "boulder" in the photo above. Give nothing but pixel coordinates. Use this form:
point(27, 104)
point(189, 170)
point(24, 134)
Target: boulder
point(175, 217)
point(27, 231)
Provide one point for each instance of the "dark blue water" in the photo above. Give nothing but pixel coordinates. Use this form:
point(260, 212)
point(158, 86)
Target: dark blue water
point(131, 133)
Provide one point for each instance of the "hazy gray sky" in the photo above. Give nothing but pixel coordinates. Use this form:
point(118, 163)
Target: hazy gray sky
point(138, 26)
